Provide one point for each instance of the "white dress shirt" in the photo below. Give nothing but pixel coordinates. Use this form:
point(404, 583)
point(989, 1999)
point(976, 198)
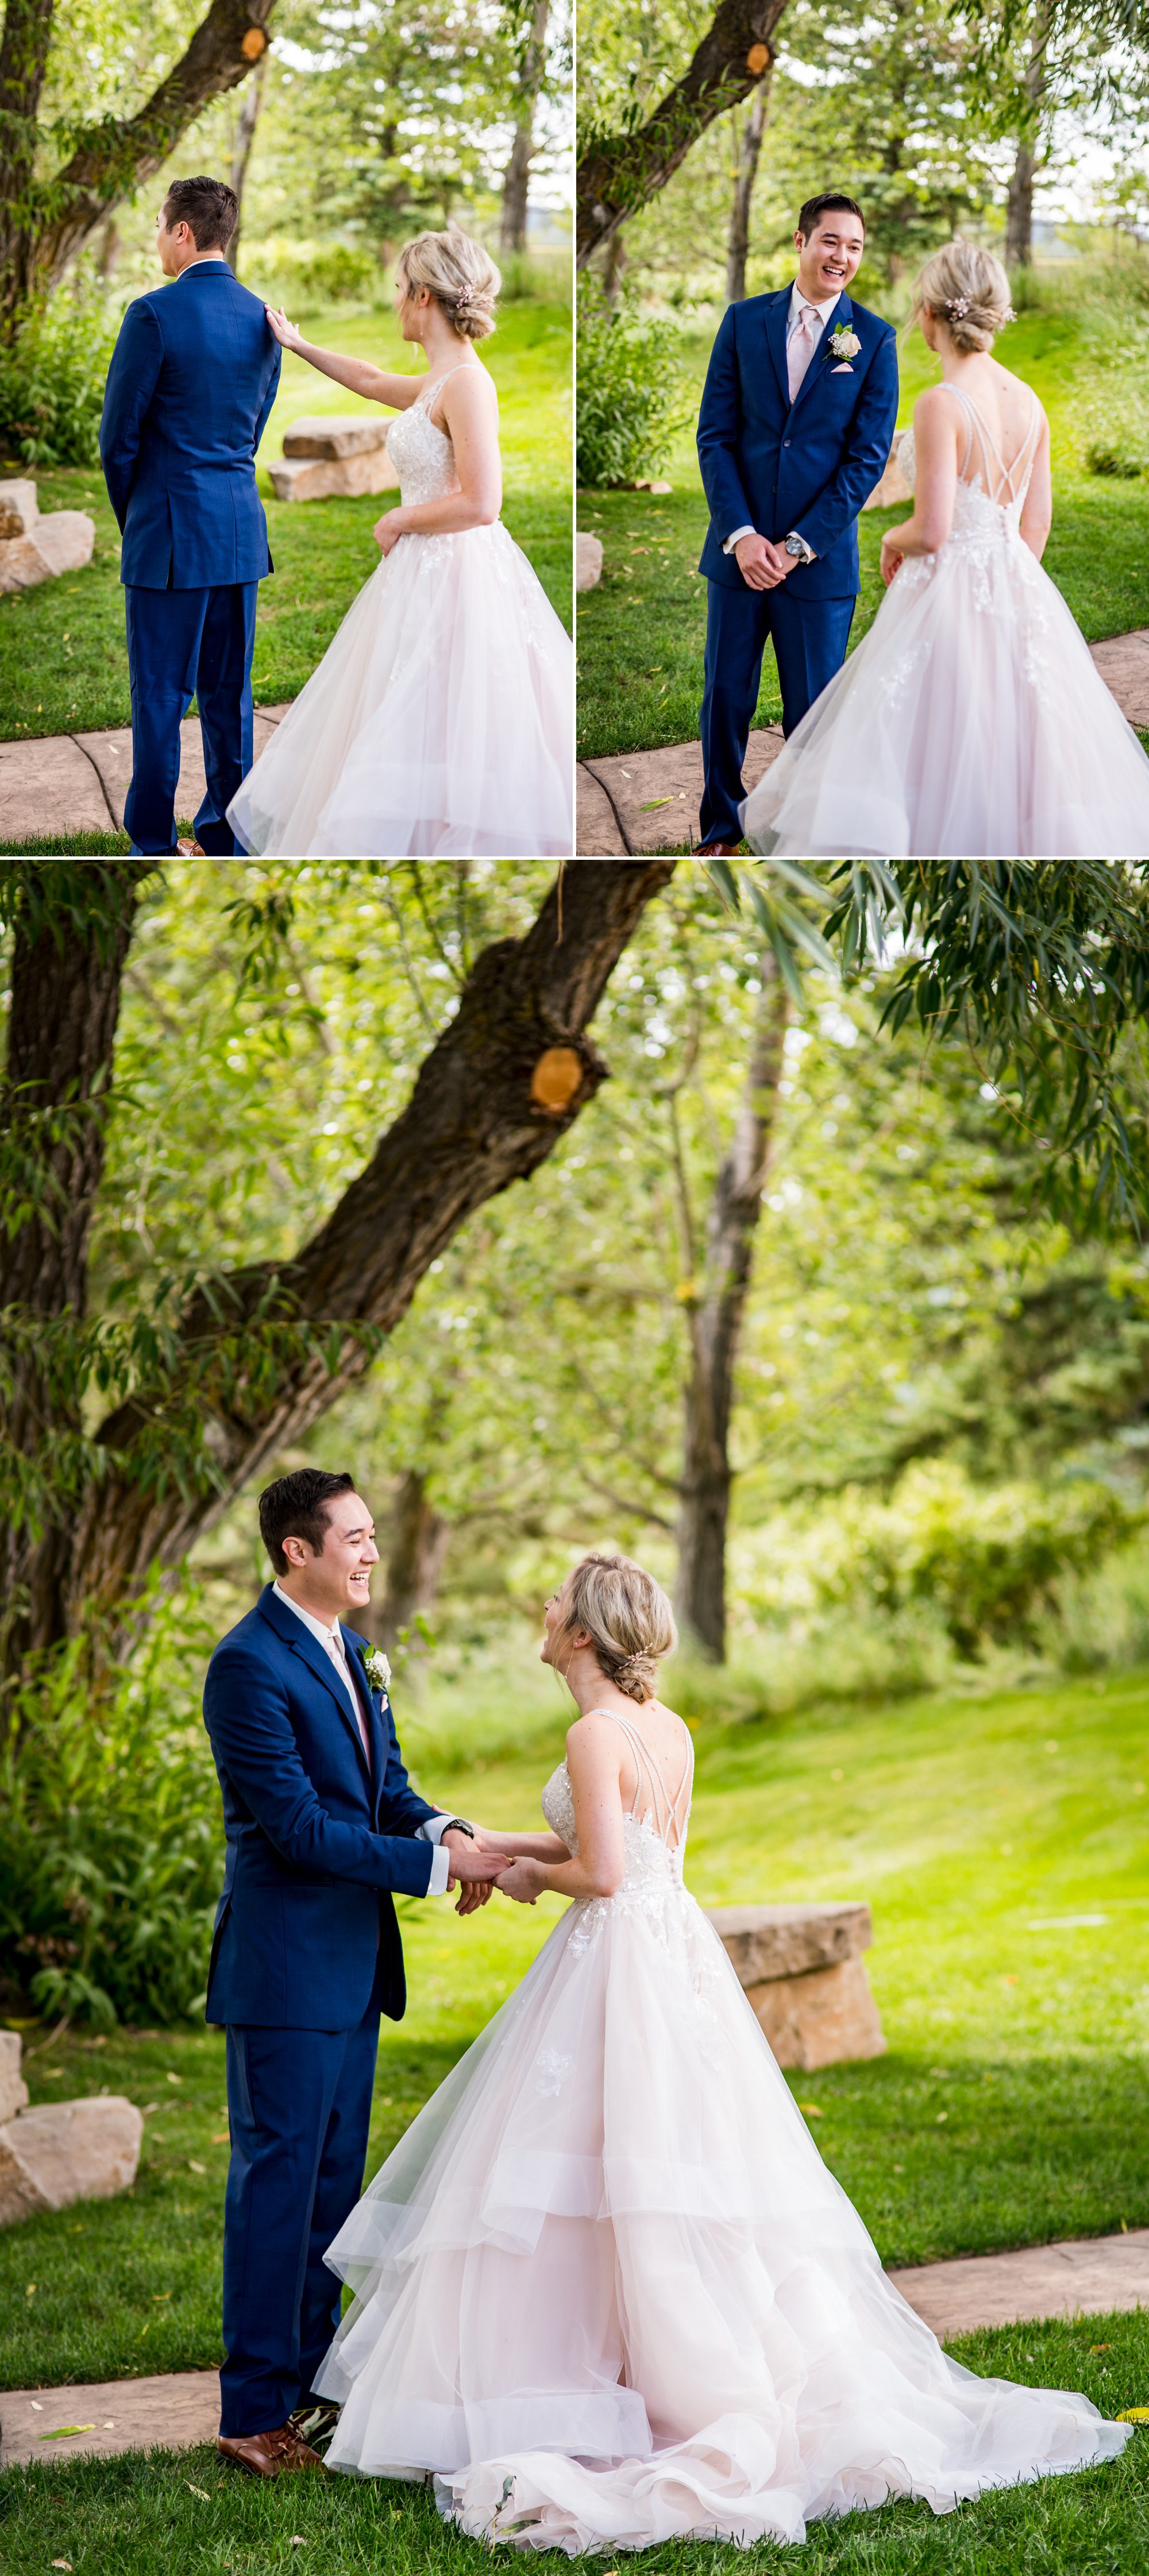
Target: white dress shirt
point(331, 1641)
point(819, 316)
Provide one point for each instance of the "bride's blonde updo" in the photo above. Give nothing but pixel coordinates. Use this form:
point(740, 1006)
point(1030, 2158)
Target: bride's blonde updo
point(460, 276)
point(969, 291)
point(627, 1617)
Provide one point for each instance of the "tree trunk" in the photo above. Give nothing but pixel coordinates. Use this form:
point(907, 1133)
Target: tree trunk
point(715, 1322)
point(419, 1536)
point(616, 267)
point(1019, 197)
point(621, 172)
point(262, 1356)
point(44, 222)
point(244, 138)
point(1019, 209)
point(751, 145)
point(516, 178)
point(70, 941)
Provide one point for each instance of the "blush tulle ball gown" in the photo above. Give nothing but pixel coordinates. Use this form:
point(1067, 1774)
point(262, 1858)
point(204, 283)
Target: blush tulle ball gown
point(971, 721)
point(440, 722)
point(606, 2291)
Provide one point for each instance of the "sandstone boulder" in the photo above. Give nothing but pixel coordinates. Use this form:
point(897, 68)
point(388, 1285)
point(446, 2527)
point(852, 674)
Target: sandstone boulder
point(19, 507)
point(332, 439)
point(306, 478)
point(801, 1969)
point(61, 541)
point(588, 562)
point(13, 2090)
point(66, 2151)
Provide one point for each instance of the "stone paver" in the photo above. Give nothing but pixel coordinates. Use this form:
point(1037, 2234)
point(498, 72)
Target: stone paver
point(177, 2410)
point(49, 786)
point(78, 782)
point(655, 795)
point(1091, 2277)
point(1094, 2277)
point(648, 800)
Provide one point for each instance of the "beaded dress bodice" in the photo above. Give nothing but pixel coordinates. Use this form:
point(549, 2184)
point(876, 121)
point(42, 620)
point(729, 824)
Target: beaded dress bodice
point(420, 450)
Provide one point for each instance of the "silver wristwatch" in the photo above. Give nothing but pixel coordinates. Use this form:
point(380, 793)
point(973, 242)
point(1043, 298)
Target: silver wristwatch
point(797, 546)
point(458, 1825)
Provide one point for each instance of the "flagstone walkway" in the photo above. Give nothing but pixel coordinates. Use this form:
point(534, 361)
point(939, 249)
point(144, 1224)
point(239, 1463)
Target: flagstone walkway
point(77, 782)
point(1096, 2276)
point(640, 801)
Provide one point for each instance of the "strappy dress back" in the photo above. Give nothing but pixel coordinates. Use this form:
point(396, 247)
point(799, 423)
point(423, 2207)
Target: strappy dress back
point(983, 468)
point(652, 1804)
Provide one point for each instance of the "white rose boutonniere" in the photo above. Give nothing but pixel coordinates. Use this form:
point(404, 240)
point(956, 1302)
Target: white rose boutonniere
point(377, 1669)
point(844, 344)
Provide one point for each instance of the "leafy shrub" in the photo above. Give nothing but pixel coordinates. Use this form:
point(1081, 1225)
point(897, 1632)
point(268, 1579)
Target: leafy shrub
point(628, 390)
point(111, 1839)
point(52, 379)
point(307, 274)
point(1114, 430)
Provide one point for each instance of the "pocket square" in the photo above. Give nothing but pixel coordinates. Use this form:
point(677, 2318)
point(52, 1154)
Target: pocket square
point(842, 369)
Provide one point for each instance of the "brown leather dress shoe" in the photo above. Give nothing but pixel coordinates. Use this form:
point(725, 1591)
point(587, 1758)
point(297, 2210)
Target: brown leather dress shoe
point(269, 2455)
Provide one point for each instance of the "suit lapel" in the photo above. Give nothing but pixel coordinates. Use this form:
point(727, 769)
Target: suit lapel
point(840, 320)
point(316, 1658)
point(775, 324)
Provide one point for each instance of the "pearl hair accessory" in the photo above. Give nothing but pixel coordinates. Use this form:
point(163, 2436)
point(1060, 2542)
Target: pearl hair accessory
point(956, 307)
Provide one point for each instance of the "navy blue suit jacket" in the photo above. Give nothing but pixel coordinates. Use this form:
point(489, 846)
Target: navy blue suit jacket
point(315, 1841)
point(772, 465)
point(194, 374)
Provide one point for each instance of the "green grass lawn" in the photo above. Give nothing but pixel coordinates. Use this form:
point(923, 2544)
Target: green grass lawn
point(63, 660)
point(641, 632)
point(1010, 2109)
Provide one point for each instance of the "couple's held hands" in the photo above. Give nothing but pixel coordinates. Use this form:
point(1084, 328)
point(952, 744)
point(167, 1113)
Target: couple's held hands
point(761, 564)
point(524, 1880)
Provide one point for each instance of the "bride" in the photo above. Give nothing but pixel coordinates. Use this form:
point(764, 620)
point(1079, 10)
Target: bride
point(606, 2291)
point(971, 722)
point(440, 721)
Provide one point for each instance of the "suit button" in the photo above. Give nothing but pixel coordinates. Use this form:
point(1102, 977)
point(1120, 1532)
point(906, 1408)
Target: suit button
point(785, 442)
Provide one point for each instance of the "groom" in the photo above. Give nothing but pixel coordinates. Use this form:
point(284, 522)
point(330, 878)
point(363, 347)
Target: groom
point(794, 432)
point(194, 374)
point(322, 1829)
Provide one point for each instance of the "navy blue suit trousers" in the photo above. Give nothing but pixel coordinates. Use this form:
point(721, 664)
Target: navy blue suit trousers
point(299, 2103)
point(185, 644)
point(809, 637)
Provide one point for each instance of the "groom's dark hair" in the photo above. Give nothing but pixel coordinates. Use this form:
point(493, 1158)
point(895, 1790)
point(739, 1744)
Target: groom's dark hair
point(815, 207)
point(295, 1507)
point(208, 207)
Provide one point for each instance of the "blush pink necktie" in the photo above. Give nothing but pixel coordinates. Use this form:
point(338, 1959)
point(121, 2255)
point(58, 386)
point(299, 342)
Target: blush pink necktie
point(800, 351)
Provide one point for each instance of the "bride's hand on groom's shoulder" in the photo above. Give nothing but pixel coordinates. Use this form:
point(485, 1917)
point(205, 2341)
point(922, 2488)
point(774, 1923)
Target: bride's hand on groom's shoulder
point(285, 331)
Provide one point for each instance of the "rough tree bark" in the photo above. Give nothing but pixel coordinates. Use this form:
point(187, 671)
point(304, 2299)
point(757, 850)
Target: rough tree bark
point(249, 115)
point(67, 962)
point(618, 173)
point(507, 1077)
point(749, 148)
point(45, 221)
point(516, 178)
point(418, 1545)
point(1019, 195)
point(715, 1320)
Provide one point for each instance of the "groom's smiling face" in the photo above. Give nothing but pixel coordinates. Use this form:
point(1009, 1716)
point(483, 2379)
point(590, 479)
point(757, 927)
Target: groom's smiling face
point(336, 1583)
point(830, 256)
